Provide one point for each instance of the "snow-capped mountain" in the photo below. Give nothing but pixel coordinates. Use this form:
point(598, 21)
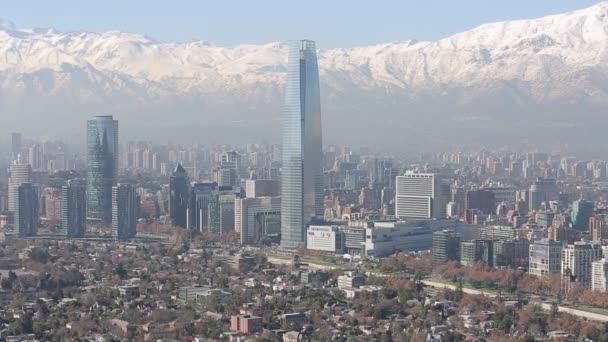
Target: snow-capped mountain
point(501, 76)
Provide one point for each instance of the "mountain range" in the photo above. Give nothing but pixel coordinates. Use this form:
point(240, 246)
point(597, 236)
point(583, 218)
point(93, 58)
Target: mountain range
point(543, 80)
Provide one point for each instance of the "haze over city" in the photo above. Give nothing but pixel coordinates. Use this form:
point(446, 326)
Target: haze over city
point(307, 171)
point(404, 77)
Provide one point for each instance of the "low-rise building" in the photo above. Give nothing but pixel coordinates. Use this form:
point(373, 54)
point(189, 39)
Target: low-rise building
point(325, 238)
point(247, 324)
point(350, 280)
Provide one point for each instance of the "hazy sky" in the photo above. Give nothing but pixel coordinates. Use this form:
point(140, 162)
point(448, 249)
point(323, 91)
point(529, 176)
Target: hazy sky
point(333, 23)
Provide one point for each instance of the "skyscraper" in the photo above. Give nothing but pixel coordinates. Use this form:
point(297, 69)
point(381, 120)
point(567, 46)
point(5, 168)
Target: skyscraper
point(26, 210)
point(73, 215)
point(421, 196)
point(18, 174)
point(221, 210)
point(200, 197)
point(102, 166)
point(124, 212)
point(302, 170)
point(179, 191)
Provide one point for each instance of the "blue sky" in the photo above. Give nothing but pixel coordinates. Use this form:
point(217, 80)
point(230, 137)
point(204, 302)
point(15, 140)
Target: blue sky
point(332, 23)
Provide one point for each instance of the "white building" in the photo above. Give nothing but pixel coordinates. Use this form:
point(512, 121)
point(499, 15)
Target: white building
point(18, 174)
point(351, 280)
point(599, 275)
point(421, 195)
point(256, 218)
point(545, 257)
point(325, 238)
point(386, 238)
point(577, 262)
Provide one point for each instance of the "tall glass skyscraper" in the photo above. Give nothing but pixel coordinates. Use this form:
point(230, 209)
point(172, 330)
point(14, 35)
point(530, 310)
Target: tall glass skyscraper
point(102, 166)
point(302, 170)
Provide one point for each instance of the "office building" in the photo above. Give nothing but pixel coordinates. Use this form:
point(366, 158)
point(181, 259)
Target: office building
point(446, 247)
point(421, 196)
point(225, 175)
point(302, 167)
point(26, 210)
point(542, 190)
point(200, 197)
point(18, 174)
point(179, 200)
point(477, 251)
point(599, 275)
point(325, 238)
point(544, 218)
point(257, 219)
point(581, 212)
point(354, 240)
point(497, 233)
point(576, 263)
point(73, 209)
point(511, 253)
point(50, 204)
point(221, 210)
point(598, 224)
point(261, 188)
point(478, 201)
point(502, 194)
point(124, 212)
point(387, 238)
point(102, 166)
point(545, 257)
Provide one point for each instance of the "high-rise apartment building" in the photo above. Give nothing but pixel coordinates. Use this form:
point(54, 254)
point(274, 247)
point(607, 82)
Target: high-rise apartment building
point(18, 174)
point(179, 191)
point(545, 257)
point(576, 263)
point(102, 166)
point(421, 196)
point(26, 210)
point(124, 212)
point(477, 251)
point(74, 220)
point(599, 275)
point(446, 247)
point(302, 170)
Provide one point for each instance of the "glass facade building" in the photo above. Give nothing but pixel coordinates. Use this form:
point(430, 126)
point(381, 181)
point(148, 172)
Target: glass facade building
point(179, 191)
point(73, 211)
point(102, 166)
point(302, 169)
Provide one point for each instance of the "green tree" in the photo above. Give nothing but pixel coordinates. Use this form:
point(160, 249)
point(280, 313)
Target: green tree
point(121, 271)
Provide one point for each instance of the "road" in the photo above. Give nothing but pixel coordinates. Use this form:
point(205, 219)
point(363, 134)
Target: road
point(545, 306)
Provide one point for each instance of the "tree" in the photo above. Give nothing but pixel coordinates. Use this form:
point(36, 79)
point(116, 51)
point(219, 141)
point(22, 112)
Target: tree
point(121, 272)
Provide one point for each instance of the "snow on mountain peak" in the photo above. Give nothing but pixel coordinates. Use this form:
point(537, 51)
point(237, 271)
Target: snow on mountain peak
point(558, 57)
